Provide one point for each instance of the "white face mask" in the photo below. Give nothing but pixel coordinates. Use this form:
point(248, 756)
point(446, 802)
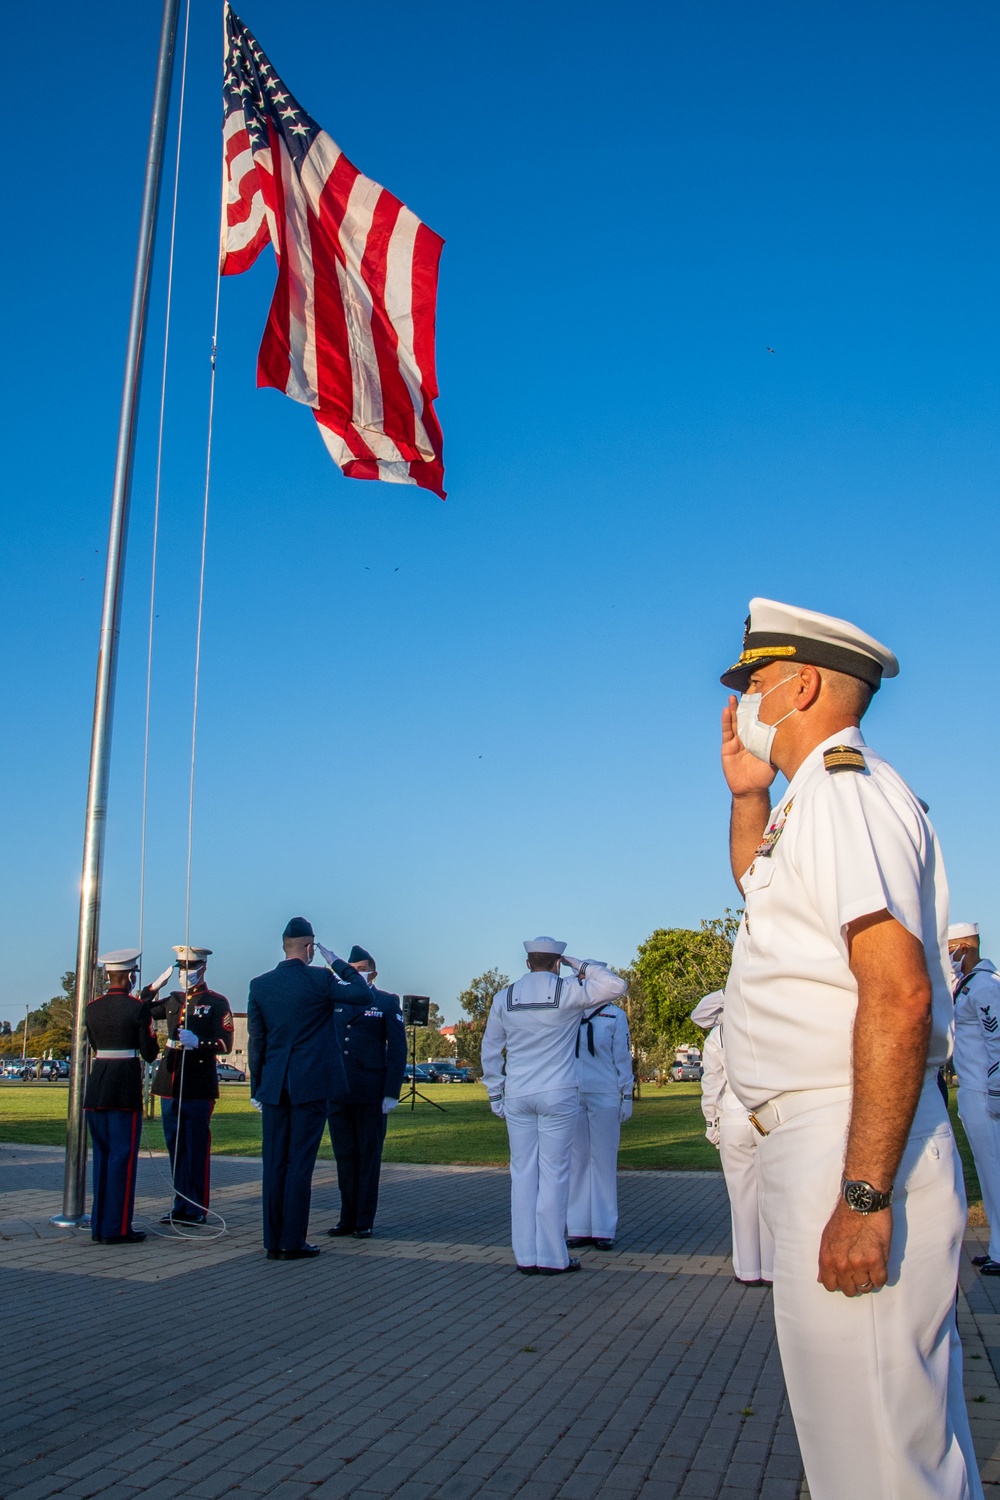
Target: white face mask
point(755, 737)
point(955, 959)
point(189, 979)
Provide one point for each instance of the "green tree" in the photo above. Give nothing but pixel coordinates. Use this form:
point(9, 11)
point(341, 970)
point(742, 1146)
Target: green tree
point(50, 1027)
point(476, 1002)
point(673, 969)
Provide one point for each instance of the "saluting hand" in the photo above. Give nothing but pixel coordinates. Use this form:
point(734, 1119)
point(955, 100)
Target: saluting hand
point(854, 1251)
point(743, 772)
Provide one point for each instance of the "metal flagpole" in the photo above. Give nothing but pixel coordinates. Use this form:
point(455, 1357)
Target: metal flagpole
point(74, 1185)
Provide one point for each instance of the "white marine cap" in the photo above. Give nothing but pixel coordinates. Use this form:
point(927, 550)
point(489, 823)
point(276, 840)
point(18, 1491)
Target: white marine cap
point(544, 945)
point(188, 955)
point(708, 1010)
point(121, 960)
point(962, 929)
point(784, 632)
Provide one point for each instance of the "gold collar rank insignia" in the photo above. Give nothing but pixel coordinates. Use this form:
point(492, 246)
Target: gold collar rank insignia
point(844, 758)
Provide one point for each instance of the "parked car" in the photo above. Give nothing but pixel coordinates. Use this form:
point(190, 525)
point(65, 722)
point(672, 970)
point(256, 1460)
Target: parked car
point(14, 1069)
point(228, 1074)
point(421, 1073)
point(685, 1072)
point(448, 1073)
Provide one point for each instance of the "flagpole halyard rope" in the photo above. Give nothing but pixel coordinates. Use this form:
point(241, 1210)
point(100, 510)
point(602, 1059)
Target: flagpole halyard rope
point(159, 473)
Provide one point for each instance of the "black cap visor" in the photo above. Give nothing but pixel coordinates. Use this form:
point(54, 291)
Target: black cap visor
point(799, 651)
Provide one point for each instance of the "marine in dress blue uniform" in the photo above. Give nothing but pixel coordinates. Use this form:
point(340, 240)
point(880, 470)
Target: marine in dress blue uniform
point(120, 1031)
point(295, 1068)
point(199, 1029)
point(373, 1044)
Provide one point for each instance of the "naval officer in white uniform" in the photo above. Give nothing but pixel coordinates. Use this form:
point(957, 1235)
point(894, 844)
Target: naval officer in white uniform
point(977, 1063)
point(604, 1075)
point(834, 1035)
point(728, 1128)
point(534, 1022)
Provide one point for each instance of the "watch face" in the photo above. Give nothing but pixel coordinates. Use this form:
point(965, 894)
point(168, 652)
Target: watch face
point(860, 1196)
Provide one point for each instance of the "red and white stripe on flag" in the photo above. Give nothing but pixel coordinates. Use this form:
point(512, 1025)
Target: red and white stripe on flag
point(350, 332)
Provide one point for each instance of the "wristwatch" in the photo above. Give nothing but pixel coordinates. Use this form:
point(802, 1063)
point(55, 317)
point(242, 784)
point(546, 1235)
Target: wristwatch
point(863, 1198)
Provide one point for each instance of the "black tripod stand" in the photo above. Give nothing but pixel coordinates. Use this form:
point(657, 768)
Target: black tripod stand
point(416, 1010)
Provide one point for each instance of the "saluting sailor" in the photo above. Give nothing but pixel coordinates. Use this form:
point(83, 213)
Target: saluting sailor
point(373, 1044)
point(604, 1078)
point(834, 1034)
point(199, 1029)
point(728, 1129)
point(977, 1063)
point(534, 1022)
point(120, 1031)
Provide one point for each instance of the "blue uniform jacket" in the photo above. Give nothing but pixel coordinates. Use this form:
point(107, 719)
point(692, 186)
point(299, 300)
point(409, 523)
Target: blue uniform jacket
point(292, 1041)
point(373, 1043)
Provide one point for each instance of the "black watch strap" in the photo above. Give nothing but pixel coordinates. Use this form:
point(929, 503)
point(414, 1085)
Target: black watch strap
point(863, 1198)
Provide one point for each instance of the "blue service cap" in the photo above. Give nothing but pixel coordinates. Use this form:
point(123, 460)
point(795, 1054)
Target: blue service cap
point(298, 927)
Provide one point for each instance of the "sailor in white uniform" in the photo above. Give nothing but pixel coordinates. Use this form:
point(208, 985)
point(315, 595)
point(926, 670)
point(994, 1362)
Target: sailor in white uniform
point(728, 1128)
point(977, 1063)
point(534, 1022)
point(604, 1076)
point(834, 1035)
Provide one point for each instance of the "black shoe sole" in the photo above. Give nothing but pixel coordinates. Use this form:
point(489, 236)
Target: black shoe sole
point(574, 1265)
point(337, 1233)
point(578, 1242)
point(528, 1270)
point(298, 1254)
point(362, 1234)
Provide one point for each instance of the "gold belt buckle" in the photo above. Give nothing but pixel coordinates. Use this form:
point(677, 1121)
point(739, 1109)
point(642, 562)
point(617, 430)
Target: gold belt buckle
point(757, 1125)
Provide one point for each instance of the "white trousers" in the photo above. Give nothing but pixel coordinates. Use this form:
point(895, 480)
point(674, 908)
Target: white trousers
point(593, 1177)
point(540, 1130)
point(984, 1138)
point(875, 1381)
point(753, 1245)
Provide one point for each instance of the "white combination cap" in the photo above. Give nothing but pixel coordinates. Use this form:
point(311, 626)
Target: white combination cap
point(121, 960)
point(708, 1010)
point(784, 632)
point(189, 955)
point(963, 929)
point(544, 945)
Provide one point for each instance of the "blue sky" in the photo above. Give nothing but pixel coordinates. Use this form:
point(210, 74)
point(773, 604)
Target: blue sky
point(437, 729)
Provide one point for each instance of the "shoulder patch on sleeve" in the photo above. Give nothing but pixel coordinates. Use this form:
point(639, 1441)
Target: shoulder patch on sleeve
point(844, 758)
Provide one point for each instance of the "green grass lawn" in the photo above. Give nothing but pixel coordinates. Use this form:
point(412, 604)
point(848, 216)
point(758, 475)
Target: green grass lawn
point(666, 1130)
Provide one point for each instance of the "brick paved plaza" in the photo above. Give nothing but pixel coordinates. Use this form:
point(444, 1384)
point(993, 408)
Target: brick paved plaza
point(417, 1365)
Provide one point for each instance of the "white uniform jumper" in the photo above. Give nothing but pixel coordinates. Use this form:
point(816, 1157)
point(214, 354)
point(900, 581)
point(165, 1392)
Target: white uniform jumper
point(875, 1381)
point(977, 1063)
point(729, 1128)
point(604, 1076)
point(535, 1022)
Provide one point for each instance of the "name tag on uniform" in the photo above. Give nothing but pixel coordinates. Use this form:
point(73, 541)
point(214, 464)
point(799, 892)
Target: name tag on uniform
point(374, 1012)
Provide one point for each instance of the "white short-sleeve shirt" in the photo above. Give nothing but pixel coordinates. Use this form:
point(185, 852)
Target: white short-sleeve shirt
point(839, 845)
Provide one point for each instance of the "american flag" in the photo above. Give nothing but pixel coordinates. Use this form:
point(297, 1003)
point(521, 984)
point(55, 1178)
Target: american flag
point(351, 327)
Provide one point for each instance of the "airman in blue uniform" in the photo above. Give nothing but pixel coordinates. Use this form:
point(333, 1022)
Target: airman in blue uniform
point(373, 1043)
point(295, 1067)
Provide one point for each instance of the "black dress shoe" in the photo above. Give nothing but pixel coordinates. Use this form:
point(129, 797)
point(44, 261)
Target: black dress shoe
point(362, 1234)
point(136, 1237)
point(338, 1231)
point(603, 1244)
point(740, 1282)
point(304, 1252)
point(528, 1270)
point(991, 1268)
point(574, 1265)
point(578, 1241)
point(981, 1260)
point(274, 1255)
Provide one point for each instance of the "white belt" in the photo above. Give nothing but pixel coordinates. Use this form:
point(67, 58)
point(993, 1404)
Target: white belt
point(785, 1107)
point(115, 1056)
